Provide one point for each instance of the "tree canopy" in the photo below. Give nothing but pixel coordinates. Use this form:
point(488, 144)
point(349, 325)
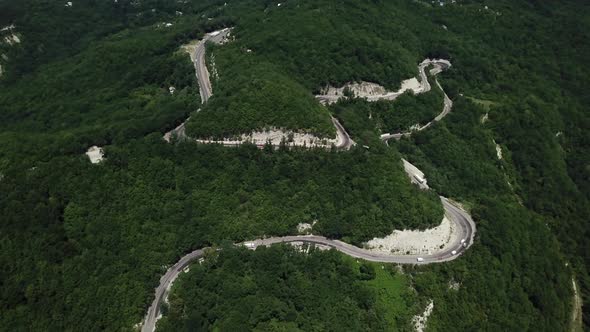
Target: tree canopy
point(83, 245)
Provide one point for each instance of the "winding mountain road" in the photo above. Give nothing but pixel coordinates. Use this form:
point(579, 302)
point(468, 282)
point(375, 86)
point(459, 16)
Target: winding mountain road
point(217, 37)
point(198, 58)
point(466, 229)
point(453, 211)
point(342, 141)
point(439, 66)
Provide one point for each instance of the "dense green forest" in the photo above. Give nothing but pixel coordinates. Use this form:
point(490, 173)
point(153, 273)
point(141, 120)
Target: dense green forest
point(53, 31)
point(269, 66)
point(91, 225)
point(117, 223)
point(83, 245)
point(516, 243)
point(390, 116)
point(282, 289)
point(115, 89)
point(251, 94)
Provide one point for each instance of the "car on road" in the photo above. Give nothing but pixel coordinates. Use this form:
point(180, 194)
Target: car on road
point(420, 259)
point(454, 252)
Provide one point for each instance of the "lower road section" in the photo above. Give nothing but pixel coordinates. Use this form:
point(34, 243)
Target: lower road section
point(463, 221)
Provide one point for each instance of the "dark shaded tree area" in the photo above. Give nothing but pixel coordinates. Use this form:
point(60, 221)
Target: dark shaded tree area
point(251, 95)
point(529, 58)
point(275, 289)
point(407, 111)
point(114, 90)
point(332, 42)
point(92, 239)
point(516, 255)
point(50, 30)
point(83, 245)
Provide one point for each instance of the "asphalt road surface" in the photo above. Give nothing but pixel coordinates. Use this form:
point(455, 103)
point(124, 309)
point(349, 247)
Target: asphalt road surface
point(463, 221)
point(202, 74)
point(217, 37)
point(439, 66)
point(205, 90)
point(345, 141)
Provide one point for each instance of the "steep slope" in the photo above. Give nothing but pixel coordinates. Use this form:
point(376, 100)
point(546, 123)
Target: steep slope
point(83, 245)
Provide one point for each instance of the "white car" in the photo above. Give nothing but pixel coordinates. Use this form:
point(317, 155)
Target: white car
point(462, 240)
point(454, 252)
point(420, 259)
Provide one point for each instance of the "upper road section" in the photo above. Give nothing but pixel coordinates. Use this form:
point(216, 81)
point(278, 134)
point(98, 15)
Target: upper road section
point(439, 65)
point(197, 53)
point(217, 37)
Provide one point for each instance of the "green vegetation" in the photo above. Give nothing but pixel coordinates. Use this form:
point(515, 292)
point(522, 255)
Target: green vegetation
point(331, 42)
point(82, 245)
point(113, 90)
point(83, 231)
point(486, 104)
point(281, 289)
point(394, 297)
point(456, 155)
point(252, 95)
point(540, 114)
point(516, 244)
point(86, 108)
point(50, 31)
point(390, 116)
point(300, 48)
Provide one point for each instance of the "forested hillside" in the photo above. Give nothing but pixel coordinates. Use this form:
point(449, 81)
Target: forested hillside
point(252, 95)
point(516, 243)
point(283, 289)
point(83, 245)
point(525, 96)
